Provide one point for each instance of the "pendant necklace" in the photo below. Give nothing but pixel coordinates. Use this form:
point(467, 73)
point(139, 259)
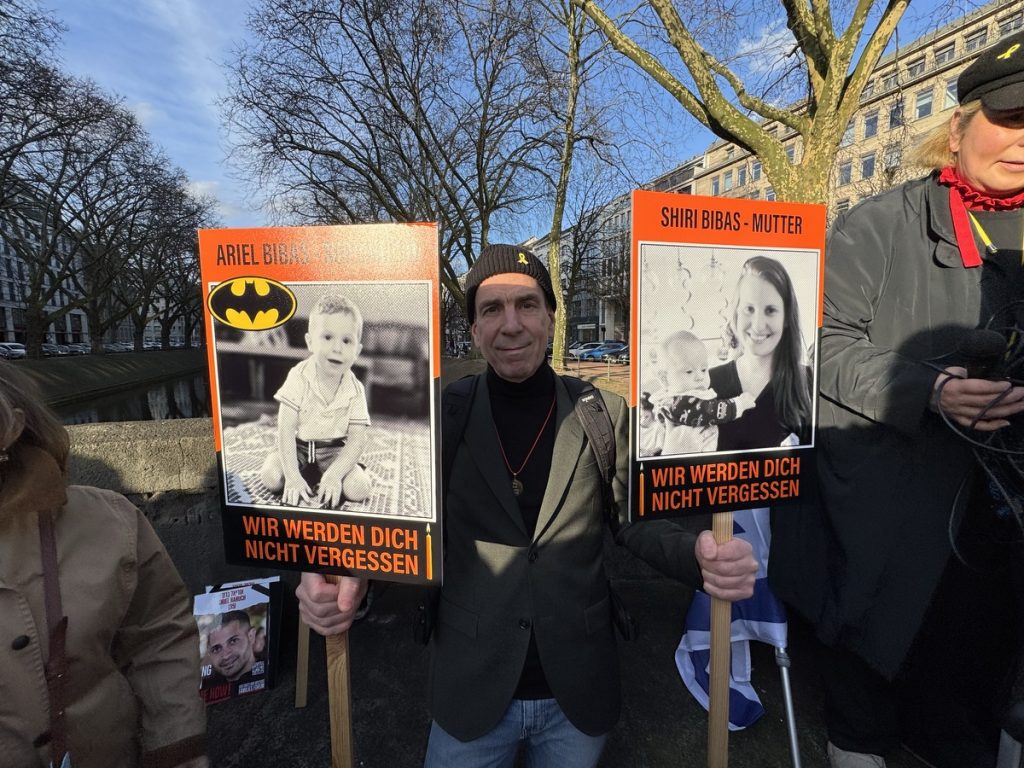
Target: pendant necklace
point(517, 484)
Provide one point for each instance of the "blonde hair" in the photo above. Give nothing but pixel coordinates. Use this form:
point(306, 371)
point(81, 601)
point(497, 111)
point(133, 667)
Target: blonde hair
point(933, 150)
point(42, 428)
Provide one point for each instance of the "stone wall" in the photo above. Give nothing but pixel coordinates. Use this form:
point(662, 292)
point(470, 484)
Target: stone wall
point(143, 457)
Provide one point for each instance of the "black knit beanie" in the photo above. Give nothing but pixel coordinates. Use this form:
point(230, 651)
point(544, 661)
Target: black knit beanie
point(499, 259)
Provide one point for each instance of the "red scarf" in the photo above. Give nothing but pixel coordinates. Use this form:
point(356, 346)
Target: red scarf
point(964, 197)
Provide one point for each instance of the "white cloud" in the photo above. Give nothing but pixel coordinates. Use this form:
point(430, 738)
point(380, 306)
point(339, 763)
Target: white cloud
point(201, 33)
point(762, 54)
point(207, 187)
point(147, 113)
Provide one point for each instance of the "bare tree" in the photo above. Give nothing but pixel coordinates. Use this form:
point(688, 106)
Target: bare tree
point(571, 67)
point(595, 253)
point(701, 64)
point(405, 110)
point(180, 298)
point(66, 193)
point(163, 241)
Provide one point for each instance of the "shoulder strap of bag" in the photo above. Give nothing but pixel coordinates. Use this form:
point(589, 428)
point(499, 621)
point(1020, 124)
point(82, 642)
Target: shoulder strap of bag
point(458, 397)
point(597, 424)
point(57, 624)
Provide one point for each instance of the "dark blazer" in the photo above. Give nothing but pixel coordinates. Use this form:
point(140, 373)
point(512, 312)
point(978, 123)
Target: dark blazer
point(500, 585)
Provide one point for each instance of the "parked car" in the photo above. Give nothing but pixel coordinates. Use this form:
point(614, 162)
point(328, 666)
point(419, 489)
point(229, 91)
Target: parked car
point(582, 349)
point(598, 353)
point(79, 348)
point(12, 350)
point(613, 355)
point(621, 357)
point(53, 350)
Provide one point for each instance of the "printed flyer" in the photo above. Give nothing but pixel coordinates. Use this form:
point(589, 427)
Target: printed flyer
point(238, 624)
point(324, 358)
point(727, 302)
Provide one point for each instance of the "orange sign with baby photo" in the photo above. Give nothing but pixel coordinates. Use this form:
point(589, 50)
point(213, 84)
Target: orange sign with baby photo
point(726, 305)
point(324, 357)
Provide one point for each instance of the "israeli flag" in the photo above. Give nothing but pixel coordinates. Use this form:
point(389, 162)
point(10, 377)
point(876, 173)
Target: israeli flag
point(760, 617)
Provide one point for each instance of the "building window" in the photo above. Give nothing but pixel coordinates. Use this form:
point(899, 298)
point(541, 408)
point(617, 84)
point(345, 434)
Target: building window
point(791, 153)
point(1011, 24)
point(845, 172)
point(916, 68)
point(755, 171)
point(893, 156)
point(847, 139)
point(896, 114)
point(714, 186)
point(727, 181)
point(769, 194)
point(976, 40)
point(949, 100)
point(755, 195)
point(843, 206)
point(741, 176)
point(868, 89)
point(945, 53)
point(867, 166)
point(729, 153)
point(870, 124)
point(923, 103)
point(890, 81)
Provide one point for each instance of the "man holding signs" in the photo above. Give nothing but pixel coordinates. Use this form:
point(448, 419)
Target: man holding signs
point(524, 640)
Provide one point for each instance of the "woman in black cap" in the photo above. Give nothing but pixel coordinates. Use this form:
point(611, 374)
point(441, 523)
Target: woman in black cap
point(919, 626)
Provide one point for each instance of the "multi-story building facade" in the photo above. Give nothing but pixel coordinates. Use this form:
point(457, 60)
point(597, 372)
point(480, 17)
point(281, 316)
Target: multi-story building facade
point(73, 327)
point(911, 91)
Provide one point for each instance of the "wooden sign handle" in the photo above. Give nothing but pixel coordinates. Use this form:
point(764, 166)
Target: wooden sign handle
point(721, 654)
point(302, 665)
point(339, 696)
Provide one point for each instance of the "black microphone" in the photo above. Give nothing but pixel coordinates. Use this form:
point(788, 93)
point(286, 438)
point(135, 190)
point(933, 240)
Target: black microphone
point(980, 352)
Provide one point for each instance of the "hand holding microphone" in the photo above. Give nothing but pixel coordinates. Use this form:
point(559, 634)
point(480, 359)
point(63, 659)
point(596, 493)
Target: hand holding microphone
point(969, 398)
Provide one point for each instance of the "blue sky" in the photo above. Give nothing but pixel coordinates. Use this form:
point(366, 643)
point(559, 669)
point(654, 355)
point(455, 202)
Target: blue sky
point(164, 58)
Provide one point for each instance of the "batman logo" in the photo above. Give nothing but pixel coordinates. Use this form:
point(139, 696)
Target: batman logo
point(252, 303)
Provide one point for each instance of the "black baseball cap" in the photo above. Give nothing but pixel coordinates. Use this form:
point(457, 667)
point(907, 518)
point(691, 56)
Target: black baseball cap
point(996, 76)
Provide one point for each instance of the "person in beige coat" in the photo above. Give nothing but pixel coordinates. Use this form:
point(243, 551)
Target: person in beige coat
point(99, 653)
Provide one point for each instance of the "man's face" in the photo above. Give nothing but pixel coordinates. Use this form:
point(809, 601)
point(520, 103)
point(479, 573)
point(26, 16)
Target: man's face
point(333, 341)
point(512, 325)
point(230, 649)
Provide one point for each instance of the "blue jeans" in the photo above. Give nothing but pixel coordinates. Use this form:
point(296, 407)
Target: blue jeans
point(551, 741)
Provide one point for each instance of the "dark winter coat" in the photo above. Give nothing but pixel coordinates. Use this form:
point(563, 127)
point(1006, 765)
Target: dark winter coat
point(862, 559)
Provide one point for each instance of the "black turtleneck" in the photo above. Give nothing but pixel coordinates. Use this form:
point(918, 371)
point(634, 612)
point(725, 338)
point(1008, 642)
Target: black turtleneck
point(519, 411)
